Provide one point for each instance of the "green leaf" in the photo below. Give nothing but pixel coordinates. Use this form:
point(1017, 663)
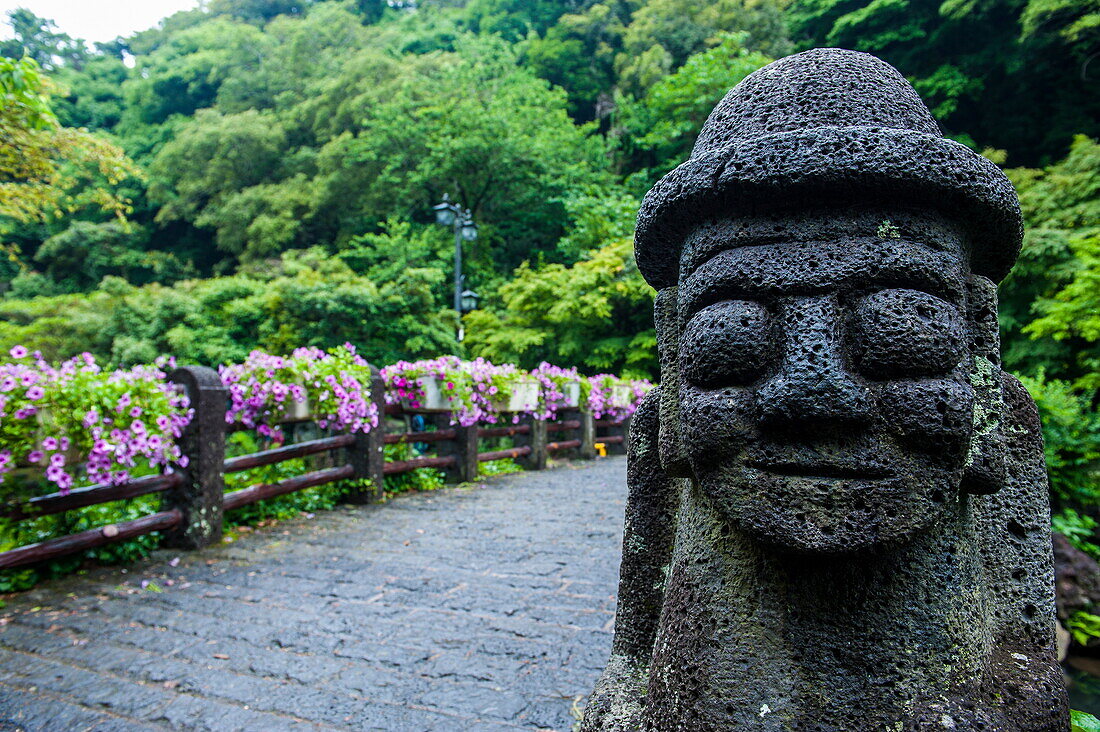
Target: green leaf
point(1083, 722)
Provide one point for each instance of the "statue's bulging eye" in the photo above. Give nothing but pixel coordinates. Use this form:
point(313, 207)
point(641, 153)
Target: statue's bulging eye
point(728, 343)
point(906, 334)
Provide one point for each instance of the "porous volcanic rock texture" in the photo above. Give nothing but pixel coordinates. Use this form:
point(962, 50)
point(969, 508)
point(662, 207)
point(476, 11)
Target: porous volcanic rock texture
point(837, 515)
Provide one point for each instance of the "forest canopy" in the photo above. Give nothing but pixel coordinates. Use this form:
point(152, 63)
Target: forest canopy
point(261, 173)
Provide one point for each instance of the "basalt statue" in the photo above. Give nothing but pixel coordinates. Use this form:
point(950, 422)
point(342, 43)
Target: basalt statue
point(838, 514)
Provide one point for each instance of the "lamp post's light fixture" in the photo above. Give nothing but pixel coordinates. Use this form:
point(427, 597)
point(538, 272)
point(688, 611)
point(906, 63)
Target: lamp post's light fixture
point(469, 228)
point(445, 211)
point(470, 300)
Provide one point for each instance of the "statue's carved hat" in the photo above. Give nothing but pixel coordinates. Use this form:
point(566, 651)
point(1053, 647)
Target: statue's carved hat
point(834, 125)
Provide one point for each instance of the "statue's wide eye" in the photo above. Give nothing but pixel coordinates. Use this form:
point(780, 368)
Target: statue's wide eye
point(906, 333)
point(728, 343)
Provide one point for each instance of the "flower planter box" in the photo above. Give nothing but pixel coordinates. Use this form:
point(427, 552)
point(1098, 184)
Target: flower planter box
point(295, 411)
point(524, 397)
point(621, 396)
point(571, 395)
point(433, 400)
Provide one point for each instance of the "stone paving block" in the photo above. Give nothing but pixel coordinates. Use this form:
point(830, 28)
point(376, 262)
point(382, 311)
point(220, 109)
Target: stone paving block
point(206, 715)
point(486, 703)
point(27, 712)
point(92, 691)
point(549, 714)
point(493, 616)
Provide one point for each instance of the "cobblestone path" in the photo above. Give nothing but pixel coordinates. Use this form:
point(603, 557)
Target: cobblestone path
point(488, 608)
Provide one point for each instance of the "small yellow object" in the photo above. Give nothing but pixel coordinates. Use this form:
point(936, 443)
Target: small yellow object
point(601, 448)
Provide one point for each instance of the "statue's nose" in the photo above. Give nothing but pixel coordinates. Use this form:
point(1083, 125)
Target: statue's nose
point(812, 386)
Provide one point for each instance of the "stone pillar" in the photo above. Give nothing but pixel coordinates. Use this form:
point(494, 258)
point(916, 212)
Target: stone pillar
point(199, 497)
point(463, 447)
point(535, 439)
point(586, 434)
point(366, 455)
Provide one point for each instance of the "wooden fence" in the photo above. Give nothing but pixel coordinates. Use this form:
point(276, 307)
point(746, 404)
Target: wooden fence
point(194, 500)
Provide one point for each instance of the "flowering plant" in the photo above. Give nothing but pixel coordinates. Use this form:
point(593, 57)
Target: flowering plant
point(556, 382)
point(611, 396)
point(335, 384)
point(473, 391)
point(50, 416)
point(407, 382)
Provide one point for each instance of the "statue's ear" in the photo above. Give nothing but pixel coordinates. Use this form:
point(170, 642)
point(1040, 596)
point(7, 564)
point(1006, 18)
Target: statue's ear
point(985, 461)
point(667, 321)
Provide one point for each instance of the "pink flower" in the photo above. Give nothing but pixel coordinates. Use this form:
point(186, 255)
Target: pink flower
point(18, 352)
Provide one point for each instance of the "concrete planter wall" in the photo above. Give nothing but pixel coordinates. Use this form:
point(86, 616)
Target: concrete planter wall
point(524, 397)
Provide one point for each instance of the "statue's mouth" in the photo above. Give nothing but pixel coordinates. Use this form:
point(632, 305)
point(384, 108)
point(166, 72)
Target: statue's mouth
point(816, 469)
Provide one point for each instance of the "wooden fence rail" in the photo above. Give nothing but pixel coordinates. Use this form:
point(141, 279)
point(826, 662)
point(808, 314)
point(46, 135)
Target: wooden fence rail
point(194, 500)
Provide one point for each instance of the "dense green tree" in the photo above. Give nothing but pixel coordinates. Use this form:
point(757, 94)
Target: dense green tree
point(1008, 74)
point(257, 11)
point(305, 298)
point(186, 73)
point(47, 171)
point(213, 173)
point(38, 39)
point(597, 314)
point(663, 34)
point(1054, 278)
point(92, 96)
point(473, 124)
point(1050, 315)
point(578, 54)
point(659, 130)
point(513, 20)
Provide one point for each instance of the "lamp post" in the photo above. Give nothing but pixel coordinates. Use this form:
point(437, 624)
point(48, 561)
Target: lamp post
point(460, 219)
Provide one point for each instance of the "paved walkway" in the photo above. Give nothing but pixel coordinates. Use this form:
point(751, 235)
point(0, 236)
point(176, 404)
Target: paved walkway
point(464, 609)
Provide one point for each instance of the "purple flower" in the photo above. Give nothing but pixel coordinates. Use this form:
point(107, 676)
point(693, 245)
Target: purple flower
point(18, 352)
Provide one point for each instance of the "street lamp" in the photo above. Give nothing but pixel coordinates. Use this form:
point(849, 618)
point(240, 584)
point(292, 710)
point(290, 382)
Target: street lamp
point(445, 212)
point(462, 221)
point(470, 299)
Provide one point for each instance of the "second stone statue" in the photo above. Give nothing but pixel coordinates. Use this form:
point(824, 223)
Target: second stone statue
point(838, 512)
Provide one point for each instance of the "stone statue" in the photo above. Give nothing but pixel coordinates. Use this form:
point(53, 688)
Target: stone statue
point(838, 515)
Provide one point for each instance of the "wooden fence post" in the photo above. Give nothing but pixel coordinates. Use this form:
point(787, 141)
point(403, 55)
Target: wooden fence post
point(366, 455)
point(200, 495)
point(463, 447)
point(536, 440)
